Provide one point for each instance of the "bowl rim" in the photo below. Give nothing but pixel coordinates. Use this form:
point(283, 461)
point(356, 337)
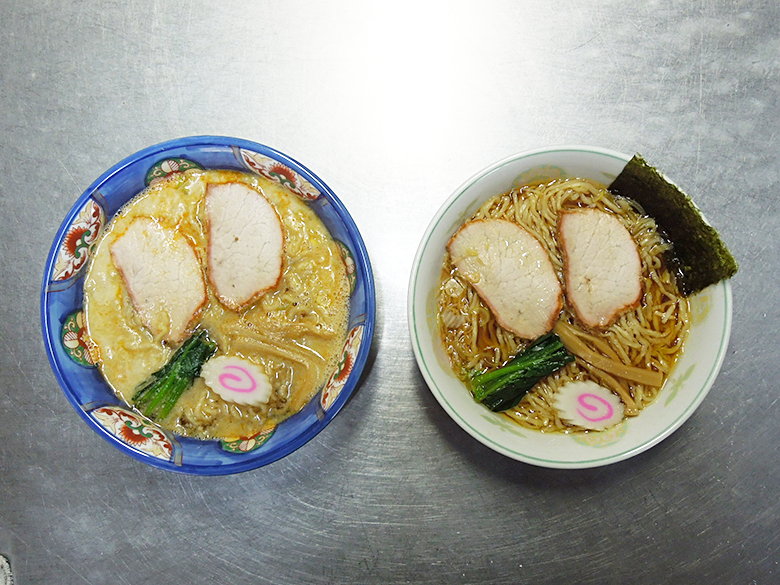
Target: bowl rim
point(253, 460)
point(412, 319)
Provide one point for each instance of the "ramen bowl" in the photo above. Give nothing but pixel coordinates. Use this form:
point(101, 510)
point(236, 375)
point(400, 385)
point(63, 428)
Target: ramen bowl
point(683, 392)
point(63, 319)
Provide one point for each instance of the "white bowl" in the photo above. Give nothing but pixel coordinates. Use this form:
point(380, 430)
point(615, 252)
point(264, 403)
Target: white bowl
point(683, 392)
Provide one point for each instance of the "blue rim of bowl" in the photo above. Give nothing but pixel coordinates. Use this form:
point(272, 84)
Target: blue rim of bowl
point(487, 441)
point(254, 459)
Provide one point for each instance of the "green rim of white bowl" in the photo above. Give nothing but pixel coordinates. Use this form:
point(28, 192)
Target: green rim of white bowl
point(678, 399)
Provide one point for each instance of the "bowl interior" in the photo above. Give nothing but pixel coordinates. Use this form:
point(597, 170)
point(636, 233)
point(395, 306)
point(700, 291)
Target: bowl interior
point(684, 390)
point(62, 301)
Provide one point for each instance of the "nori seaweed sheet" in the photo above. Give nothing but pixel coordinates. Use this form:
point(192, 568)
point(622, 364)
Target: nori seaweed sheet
point(698, 253)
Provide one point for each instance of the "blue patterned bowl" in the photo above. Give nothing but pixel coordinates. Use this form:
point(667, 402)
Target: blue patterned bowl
point(63, 324)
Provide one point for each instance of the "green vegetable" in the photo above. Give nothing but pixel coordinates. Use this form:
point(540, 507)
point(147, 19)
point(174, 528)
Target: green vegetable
point(503, 388)
point(156, 396)
point(698, 254)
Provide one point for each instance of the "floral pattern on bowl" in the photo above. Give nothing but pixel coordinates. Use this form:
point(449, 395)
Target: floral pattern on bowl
point(338, 379)
point(349, 263)
point(78, 242)
point(604, 438)
point(250, 443)
point(274, 170)
point(135, 431)
point(167, 167)
point(75, 341)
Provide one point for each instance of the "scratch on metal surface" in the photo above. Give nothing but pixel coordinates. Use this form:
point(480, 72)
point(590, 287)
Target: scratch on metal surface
point(770, 546)
point(364, 530)
point(212, 514)
point(230, 563)
point(701, 73)
point(134, 542)
point(583, 44)
point(651, 37)
point(19, 367)
point(129, 571)
point(67, 172)
point(109, 506)
point(72, 568)
point(70, 518)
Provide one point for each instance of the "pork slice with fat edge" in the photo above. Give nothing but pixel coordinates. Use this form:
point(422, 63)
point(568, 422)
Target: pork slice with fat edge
point(162, 275)
point(511, 272)
point(603, 271)
point(246, 242)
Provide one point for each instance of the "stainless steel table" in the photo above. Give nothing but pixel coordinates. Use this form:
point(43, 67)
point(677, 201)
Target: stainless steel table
point(394, 105)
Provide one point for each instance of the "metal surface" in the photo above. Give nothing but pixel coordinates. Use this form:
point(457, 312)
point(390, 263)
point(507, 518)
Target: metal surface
point(394, 105)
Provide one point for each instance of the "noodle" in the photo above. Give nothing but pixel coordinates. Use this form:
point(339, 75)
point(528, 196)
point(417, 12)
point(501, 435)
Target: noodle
point(294, 332)
point(645, 341)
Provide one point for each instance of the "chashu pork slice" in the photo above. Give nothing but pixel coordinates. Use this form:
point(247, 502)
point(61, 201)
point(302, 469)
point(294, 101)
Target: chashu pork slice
point(246, 243)
point(603, 271)
point(163, 277)
point(511, 272)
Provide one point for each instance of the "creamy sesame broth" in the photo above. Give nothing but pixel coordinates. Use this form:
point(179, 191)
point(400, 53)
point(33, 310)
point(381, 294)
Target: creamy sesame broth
point(293, 332)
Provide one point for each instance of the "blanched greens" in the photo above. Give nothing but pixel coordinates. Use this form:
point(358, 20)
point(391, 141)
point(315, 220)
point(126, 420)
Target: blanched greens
point(156, 396)
point(503, 388)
